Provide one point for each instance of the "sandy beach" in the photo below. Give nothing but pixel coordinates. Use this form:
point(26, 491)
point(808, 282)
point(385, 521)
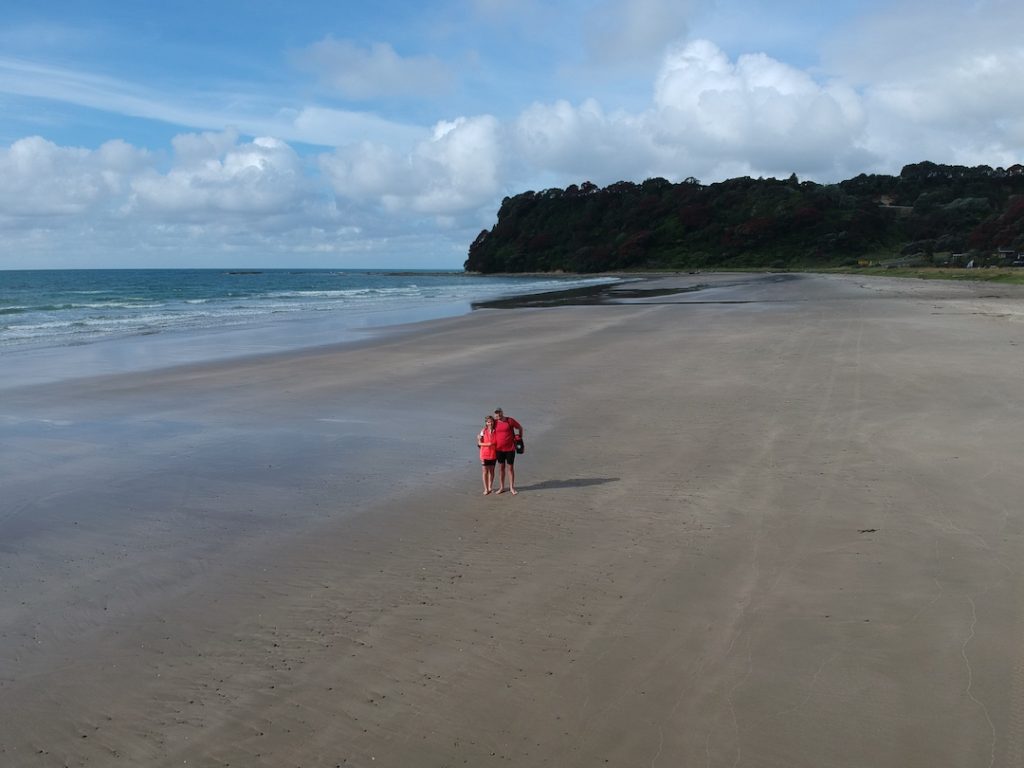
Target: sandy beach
point(775, 521)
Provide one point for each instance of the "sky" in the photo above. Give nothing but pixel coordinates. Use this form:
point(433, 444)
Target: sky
point(385, 134)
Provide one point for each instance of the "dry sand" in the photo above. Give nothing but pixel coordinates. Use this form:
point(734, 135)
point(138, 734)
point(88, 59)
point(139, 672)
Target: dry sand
point(776, 522)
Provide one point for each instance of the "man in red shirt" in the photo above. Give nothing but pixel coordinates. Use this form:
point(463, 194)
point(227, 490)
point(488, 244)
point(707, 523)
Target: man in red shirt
point(505, 428)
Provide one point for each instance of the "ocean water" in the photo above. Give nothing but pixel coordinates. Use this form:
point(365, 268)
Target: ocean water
point(59, 323)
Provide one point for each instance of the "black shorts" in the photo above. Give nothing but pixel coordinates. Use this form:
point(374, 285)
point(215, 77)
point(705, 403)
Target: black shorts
point(488, 462)
point(507, 457)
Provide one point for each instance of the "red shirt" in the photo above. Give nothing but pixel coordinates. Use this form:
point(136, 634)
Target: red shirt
point(506, 438)
point(488, 452)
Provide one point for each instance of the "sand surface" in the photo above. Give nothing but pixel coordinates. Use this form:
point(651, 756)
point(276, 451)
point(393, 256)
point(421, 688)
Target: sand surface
point(774, 522)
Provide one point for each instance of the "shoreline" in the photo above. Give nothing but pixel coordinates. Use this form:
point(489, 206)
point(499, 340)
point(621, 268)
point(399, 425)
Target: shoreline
point(169, 351)
point(151, 352)
point(85, 341)
point(761, 520)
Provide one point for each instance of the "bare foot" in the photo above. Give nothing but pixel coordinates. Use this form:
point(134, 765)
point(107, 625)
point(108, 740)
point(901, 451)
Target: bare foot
point(500, 490)
point(487, 492)
point(513, 491)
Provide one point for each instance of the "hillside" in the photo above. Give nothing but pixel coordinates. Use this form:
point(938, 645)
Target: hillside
point(930, 211)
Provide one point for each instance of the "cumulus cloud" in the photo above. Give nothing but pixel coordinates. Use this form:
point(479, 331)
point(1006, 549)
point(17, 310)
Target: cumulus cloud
point(582, 142)
point(710, 117)
point(375, 71)
point(215, 174)
point(756, 110)
point(455, 170)
point(218, 195)
point(41, 178)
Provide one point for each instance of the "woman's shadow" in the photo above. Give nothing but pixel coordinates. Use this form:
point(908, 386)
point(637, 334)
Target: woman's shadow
point(579, 482)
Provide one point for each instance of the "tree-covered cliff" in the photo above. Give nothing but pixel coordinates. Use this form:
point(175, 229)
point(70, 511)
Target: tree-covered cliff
point(744, 222)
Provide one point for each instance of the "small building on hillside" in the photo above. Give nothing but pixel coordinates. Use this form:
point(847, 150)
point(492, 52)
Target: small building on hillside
point(1007, 256)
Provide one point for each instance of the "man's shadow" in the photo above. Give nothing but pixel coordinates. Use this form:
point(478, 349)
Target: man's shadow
point(579, 482)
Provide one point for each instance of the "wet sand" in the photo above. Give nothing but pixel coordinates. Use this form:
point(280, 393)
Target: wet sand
point(772, 522)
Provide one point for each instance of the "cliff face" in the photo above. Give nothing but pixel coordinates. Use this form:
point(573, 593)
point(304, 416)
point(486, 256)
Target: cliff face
point(928, 209)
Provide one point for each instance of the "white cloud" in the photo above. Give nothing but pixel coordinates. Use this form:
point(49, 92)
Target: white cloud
point(757, 111)
point(908, 40)
point(455, 170)
point(220, 201)
point(43, 179)
point(942, 81)
point(192, 149)
point(374, 71)
point(582, 143)
point(219, 195)
point(980, 86)
point(336, 127)
point(709, 117)
point(215, 175)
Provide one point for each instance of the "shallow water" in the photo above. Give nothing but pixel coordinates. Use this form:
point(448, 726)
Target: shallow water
point(62, 324)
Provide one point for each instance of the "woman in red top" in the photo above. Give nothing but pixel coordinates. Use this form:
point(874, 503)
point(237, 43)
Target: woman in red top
point(487, 440)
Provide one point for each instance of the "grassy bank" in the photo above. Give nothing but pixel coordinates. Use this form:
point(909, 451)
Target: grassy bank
point(1006, 275)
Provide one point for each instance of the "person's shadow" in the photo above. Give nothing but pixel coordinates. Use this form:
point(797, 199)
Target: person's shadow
point(580, 482)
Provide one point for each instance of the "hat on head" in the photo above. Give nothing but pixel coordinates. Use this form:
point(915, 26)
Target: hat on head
point(498, 410)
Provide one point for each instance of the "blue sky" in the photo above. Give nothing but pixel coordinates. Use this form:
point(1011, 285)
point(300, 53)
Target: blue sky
point(385, 134)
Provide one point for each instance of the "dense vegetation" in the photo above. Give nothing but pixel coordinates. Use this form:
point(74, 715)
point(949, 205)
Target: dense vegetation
point(929, 213)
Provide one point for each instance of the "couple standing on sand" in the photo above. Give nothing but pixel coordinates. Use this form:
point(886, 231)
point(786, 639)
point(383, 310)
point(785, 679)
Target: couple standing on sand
point(499, 443)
